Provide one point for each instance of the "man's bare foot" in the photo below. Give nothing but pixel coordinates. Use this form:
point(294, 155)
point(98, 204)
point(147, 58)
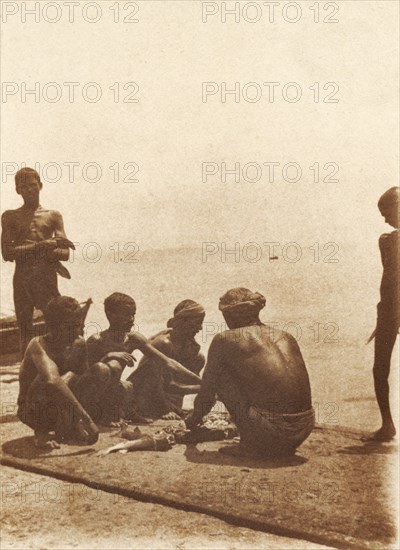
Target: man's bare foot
point(382, 435)
point(171, 416)
point(119, 424)
point(112, 423)
point(136, 418)
point(44, 441)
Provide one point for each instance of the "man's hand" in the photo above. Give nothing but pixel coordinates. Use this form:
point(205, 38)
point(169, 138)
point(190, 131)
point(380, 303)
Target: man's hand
point(122, 357)
point(50, 248)
point(56, 242)
point(63, 242)
point(47, 248)
point(46, 244)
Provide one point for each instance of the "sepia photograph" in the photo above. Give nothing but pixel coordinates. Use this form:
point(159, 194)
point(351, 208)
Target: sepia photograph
point(200, 274)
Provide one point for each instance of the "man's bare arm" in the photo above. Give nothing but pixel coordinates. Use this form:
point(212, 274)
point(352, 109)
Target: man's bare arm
point(51, 249)
point(206, 396)
point(9, 250)
point(61, 252)
point(48, 369)
point(183, 389)
point(141, 343)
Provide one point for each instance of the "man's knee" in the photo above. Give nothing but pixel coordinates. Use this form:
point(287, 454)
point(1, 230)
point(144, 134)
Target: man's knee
point(100, 372)
point(115, 369)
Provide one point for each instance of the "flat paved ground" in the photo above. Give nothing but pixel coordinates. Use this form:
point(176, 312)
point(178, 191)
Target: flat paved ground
point(40, 512)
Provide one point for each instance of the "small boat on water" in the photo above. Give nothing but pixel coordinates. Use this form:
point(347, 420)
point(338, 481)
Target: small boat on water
point(9, 336)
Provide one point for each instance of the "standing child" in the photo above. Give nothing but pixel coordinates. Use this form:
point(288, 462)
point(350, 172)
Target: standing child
point(388, 320)
point(33, 237)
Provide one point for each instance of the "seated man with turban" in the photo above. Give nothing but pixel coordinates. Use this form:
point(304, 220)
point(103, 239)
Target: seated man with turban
point(261, 378)
point(157, 393)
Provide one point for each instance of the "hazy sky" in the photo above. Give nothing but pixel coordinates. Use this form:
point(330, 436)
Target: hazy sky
point(170, 132)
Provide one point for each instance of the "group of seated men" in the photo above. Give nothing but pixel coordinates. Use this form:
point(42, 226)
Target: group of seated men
point(69, 386)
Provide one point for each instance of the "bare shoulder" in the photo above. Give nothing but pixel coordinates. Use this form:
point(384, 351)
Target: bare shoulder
point(56, 214)
point(35, 346)
point(97, 346)
point(392, 238)
point(221, 338)
point(287, 345)
point(383, 239)
point(162, 341)
point(95, 338)
point(162, 336)
point(34, 350)
point(9, 215)
point(281, 337)
point(389, 243)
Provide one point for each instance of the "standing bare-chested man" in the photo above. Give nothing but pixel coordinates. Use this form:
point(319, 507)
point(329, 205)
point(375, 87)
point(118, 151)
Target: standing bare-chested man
point(388, 321)
point(34, 238)
point(260, 376)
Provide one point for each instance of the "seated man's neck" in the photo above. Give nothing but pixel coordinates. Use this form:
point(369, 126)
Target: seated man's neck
point(117, 334)
point(54, 343)
point(249, 323)
point(178, 336)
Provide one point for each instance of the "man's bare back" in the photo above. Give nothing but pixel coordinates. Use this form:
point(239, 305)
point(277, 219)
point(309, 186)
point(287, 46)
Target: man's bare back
point(268, 366)
point(31, 367)
point(260, 376)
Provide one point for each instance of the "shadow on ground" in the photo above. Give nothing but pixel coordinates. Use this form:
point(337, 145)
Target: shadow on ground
point(370, 448)
point(196, 456)
point(24, 448)
point(332, 491)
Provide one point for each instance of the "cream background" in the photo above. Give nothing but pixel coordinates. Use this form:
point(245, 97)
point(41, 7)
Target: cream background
point(170, 132)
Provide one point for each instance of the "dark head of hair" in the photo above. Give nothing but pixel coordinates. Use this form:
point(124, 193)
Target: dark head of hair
point(240, 306)
point(22, 174)
point(235, 296)
point(183, 305)
point(118, 300)
point(61, 309)
point(390, 198)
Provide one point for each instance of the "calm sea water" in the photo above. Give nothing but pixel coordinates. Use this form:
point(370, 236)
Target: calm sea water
point(328, 307)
